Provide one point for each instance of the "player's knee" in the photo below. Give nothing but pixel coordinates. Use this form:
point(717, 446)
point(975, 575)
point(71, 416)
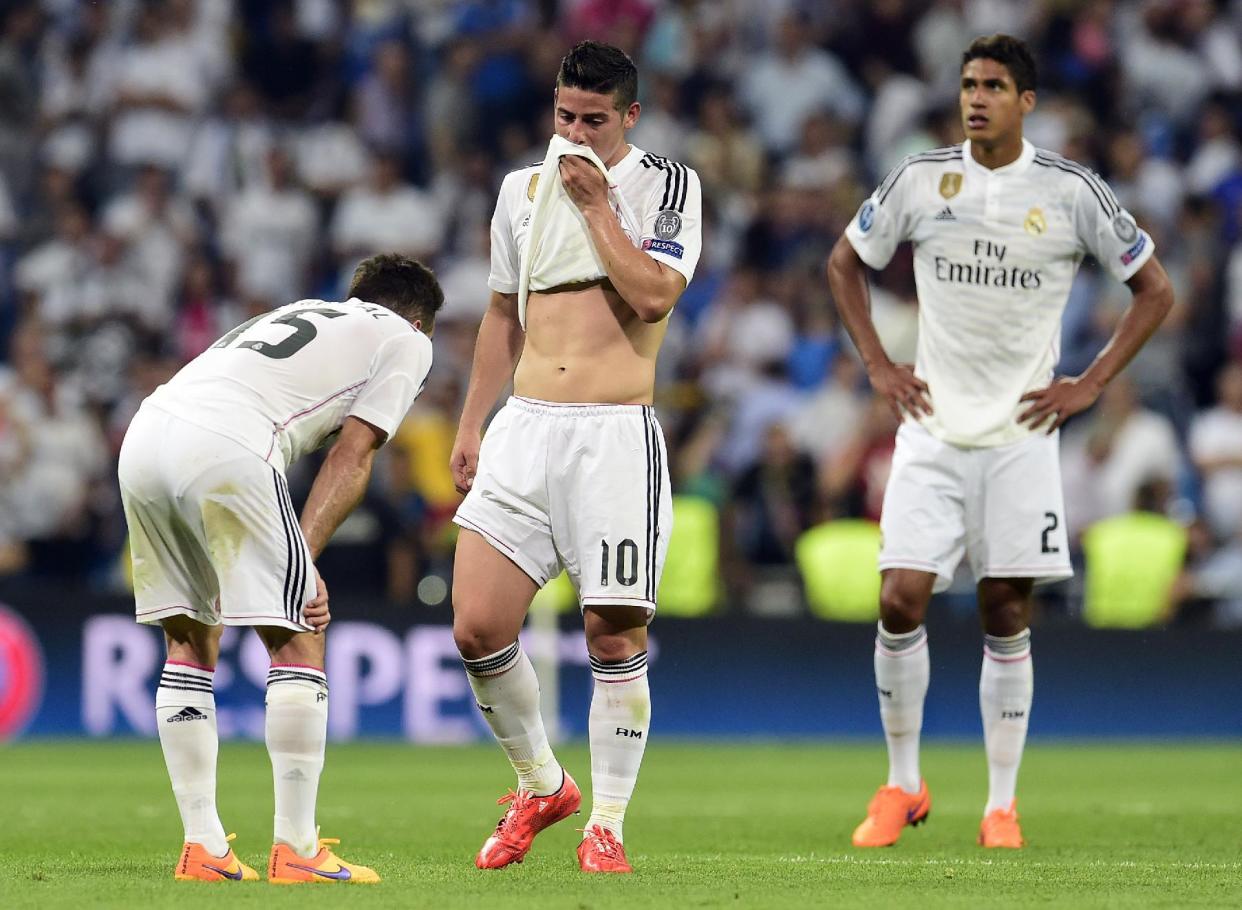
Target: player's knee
point(286, 646)
point(615, 633)
point(1005, 618)
point(902, 607)
point(1005, 605)
point(611, 648)
point(475, 640)
point(192, 642)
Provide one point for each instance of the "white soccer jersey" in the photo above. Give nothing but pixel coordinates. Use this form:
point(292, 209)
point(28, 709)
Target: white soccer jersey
point(284, 382)
point(665, 197)
point(995, 252)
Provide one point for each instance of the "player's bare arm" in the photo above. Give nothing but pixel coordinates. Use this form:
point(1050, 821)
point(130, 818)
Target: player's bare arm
point(895, 382)
point(337, 490)
point(496, 352)
point(650, 288)
point(340, 483)
point(1067, 396)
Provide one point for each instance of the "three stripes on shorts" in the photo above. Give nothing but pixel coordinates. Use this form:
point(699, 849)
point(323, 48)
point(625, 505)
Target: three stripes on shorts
point(295, 547)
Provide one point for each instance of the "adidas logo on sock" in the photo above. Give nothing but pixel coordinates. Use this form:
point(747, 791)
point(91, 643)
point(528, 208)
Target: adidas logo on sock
point(186, 714)
point(946, 214)
point(295, 774)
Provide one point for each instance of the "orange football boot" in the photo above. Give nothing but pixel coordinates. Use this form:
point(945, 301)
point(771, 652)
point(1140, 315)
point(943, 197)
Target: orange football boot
point(1000, 828)
point(600, 851)
point(197, 865)
point(286, 867)
point(527, 815)
point(890, 810)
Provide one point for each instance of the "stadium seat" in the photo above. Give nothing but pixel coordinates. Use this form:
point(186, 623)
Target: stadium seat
point(1132, 561)
point(837, 560)
point(691, 580)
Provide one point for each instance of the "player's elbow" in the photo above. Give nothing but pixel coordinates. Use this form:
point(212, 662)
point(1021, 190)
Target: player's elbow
point(1165, 296)
point(654, 308)
point(843, 260)
point(1153, 289)
point(356, 445)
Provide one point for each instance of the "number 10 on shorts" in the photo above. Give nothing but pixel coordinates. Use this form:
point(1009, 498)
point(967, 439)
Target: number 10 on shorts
point(626, 560)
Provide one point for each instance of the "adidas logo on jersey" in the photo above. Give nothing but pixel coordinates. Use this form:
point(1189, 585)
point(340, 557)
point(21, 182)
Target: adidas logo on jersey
point(186, 714)
point(946, 214)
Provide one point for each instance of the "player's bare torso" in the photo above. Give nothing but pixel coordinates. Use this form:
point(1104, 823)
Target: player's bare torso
point(585, 344)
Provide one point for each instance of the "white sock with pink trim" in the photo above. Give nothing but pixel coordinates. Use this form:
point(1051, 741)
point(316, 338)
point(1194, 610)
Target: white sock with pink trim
point(902, 672)
point(619, 722)
point(185, 715)
point(296, 733)
point(1006, 689)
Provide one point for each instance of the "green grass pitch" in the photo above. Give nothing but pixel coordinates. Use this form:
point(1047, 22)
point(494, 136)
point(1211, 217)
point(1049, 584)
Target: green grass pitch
point(87, 824)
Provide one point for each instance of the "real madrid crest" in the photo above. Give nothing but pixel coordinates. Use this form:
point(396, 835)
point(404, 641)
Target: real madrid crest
point(950, 185)
point(530, 187)
point(1035, 223)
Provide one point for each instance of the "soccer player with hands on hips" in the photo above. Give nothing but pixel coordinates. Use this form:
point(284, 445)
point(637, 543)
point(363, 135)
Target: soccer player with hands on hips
point(999, 228)
point(215, 541)
point(591, 248)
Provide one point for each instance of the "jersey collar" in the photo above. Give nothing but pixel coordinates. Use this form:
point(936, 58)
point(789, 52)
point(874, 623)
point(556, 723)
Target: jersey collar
point(1012, 169)
point(626, 164)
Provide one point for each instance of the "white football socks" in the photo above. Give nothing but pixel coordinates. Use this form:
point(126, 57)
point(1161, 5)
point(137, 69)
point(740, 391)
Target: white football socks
point(1006, 689)
point(619, 723)
point(902, 671)
point(296, 733)
point(185, 713)
point(506, 690)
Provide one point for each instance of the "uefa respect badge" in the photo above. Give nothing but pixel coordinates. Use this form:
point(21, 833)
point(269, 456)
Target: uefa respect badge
point(21, 674)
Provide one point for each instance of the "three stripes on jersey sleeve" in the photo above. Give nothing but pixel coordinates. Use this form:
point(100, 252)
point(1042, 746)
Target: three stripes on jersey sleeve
point(935, 156)
point(1101, 190)
point(676, 181)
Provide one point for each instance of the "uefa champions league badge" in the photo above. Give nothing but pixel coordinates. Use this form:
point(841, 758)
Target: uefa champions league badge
point(21, 674)
point(1125, 228)
point(866, 216)
point(667, 225)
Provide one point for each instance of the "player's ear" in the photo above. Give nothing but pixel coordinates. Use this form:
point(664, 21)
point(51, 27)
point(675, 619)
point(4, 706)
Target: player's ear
point(631, 116)
point(1026, 101)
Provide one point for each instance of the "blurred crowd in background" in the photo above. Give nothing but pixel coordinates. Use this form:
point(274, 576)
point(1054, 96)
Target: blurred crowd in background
point(171, 167)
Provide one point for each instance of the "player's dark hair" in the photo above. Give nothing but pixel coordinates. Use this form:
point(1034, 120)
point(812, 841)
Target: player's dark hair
point(404, 285)
point(1008, 51)
point(602, 68)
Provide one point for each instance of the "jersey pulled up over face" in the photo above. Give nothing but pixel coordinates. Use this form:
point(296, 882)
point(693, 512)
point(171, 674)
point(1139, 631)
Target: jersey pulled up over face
point(995, 252)
point(664, 196)
point(284, 382)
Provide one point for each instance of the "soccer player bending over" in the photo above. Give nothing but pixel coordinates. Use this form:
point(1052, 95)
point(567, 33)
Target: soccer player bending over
point(999, 228)
point(215, 541)
point(590, 250)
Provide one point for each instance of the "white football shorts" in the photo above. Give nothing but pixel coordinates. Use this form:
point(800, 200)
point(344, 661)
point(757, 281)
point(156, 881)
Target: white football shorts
point(580, 486)
point(212, 532)
point(1001, 506)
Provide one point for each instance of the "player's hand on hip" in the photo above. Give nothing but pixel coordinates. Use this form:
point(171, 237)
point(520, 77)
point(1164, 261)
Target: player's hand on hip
point(315, 613)
point(904, 392)
point(583, 182)
point(1059, 402)
point(465, 461)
